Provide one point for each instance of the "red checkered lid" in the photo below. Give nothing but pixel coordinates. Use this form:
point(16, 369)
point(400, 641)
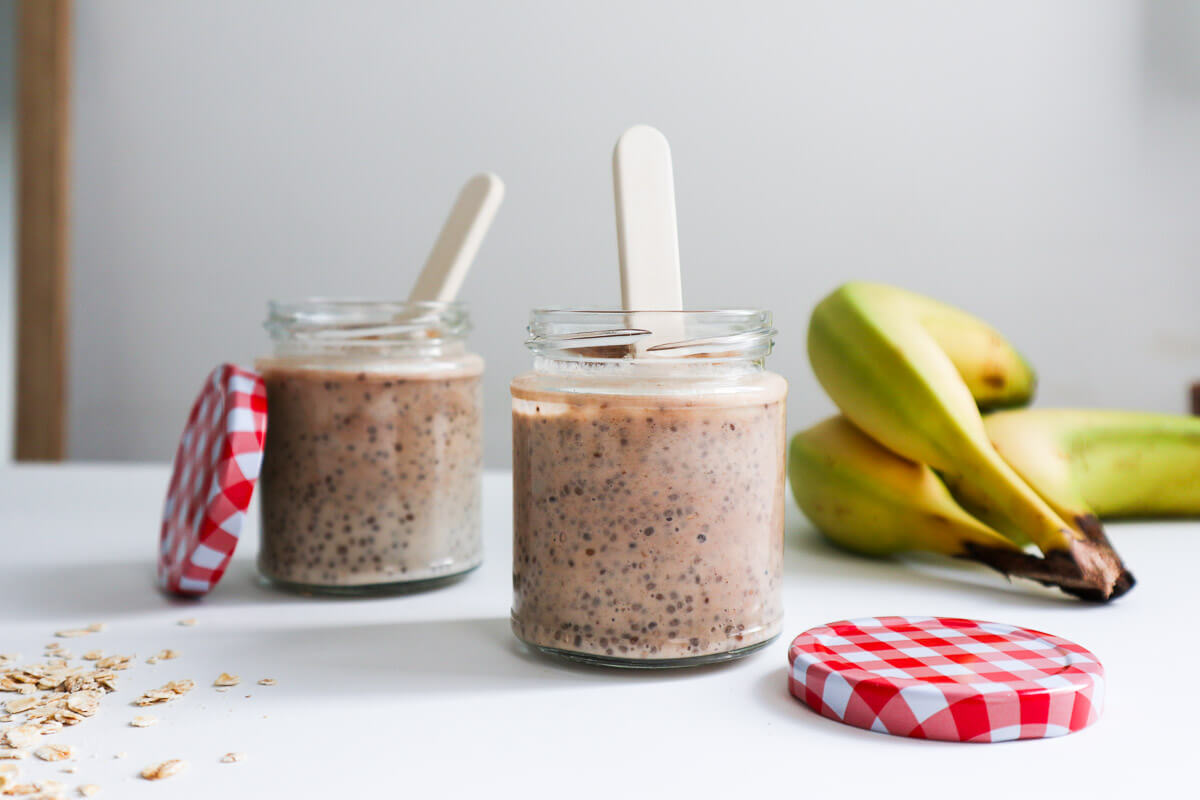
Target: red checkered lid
point(216, 467)
point(958, 680)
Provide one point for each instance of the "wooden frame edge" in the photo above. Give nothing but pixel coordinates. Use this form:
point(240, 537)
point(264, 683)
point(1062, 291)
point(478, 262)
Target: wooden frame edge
point(43, 216)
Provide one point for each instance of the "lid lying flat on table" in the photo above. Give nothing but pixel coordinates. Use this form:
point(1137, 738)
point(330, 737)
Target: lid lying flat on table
point(216, 467)
point(944, 678)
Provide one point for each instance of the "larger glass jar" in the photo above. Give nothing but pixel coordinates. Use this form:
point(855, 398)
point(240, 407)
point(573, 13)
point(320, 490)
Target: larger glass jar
point(371, 474)
point(648, 487)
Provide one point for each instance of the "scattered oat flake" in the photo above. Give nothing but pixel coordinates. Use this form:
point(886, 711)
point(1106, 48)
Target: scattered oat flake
point(93, 655)
point(187, 623)
point(55, 752)
point(268, 682)
point(162, 655)
point(21, 789)
point(71, 770)
point(88, 790)
point(166, 769)
point(85, 702)
point(56, 676)
point(168, 691)
point(121, 754)
point(230, 758)
point(225, 679)
point(72, 634)
point(13, 754)
point(114, 662)
point(23, 704)
point(22, 735)
point(143, 721)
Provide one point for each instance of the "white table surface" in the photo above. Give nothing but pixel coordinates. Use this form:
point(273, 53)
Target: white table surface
point(430, 695)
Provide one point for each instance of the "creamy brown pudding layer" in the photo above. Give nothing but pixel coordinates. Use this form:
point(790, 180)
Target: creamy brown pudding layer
point(370, 477)
point(648, 527)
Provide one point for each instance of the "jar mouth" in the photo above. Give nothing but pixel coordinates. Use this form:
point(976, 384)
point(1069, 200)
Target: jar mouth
point(349, 321)
point(587, 334)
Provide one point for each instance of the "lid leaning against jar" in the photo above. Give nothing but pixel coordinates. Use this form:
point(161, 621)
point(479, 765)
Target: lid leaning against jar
point(216, 467)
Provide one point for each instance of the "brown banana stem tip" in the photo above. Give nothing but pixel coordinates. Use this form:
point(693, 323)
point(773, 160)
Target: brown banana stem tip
point(1090, 569)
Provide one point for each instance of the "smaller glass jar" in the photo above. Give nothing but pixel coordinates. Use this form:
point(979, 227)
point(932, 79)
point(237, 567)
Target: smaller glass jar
point(648, 487)
point(372, 466)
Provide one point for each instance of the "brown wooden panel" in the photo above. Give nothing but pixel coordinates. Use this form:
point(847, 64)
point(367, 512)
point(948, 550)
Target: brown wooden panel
point(43, 73)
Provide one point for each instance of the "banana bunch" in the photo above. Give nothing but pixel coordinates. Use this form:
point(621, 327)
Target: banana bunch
point(913, 464)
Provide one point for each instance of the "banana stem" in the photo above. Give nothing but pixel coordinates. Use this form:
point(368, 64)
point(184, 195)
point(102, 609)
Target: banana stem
point(1076, 555)
point(1073, 571)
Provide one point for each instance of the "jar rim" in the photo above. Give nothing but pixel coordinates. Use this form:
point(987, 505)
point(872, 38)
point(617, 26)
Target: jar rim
point(601, 310)
point(313, 306)
point(609, 335)
point(354, 320)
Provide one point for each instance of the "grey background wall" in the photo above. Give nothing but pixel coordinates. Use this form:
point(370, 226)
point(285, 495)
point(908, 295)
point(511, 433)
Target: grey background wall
point(1033, 162)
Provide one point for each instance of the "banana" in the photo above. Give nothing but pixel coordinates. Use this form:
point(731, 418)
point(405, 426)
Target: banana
point(1089, 464)
point(996, 375)
point(878, 352)
point(866, 498)
point(870, 500)
point(1086, 464)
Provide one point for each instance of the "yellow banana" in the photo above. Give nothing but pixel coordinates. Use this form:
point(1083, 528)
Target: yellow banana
point(870, 500)
point(996, 375)
point(881, 359)
point(867, 499)
point(1088, 463)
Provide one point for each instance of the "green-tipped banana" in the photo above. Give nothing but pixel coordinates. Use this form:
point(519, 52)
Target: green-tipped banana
point(1088, 464)
point(882, 361)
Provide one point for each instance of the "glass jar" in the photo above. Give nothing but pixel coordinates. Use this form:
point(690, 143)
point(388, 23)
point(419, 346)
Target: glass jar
point(648, 487)
point(372, 468)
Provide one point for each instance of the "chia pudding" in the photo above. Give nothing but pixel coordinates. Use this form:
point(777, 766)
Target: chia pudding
point(648, 527)
point(370, 478)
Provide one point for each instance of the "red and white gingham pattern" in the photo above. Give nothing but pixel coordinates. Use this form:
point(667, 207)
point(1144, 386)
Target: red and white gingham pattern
point(216, 467)
point(943, 678)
